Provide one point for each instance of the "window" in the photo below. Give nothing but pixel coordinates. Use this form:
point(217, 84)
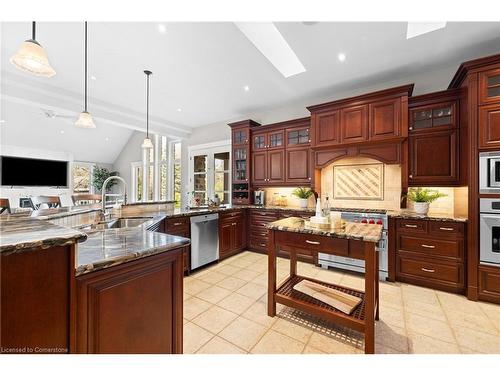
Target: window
point(177, 173)
point(82, 178)
point(160, 170)
point(210, 171)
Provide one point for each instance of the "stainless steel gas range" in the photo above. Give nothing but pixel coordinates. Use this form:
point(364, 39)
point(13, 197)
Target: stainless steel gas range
point(365, 217)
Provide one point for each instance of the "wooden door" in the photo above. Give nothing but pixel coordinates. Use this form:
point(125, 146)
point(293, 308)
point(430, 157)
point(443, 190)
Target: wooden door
point(132, 308)
point(297, 165)
point(239, 234)
point(489, 126)
point(259, 142)
point(240, 164)
point(354, 124)
point(225, 238)
point(326, 128)
point(385, 119)
point(259, 167)
point(433, 159)
point(276, 166)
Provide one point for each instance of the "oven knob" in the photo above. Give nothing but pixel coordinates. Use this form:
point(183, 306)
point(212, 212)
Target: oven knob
point(379, 222)
point(371, 221)
point(364, 221)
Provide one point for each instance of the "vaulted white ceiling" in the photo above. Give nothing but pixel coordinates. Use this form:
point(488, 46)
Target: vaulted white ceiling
point(202, 68)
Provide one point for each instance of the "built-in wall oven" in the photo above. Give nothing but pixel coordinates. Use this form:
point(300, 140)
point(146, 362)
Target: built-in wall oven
point(356, 265)
point(489, 231)
point(489, 172)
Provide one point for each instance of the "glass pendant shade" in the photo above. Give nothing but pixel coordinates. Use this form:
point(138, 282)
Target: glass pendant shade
point(147, 143)
point(85, 121)
point(32, 58)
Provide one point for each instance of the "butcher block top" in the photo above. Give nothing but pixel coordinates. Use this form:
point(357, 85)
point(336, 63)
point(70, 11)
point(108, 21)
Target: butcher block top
point(355, 231)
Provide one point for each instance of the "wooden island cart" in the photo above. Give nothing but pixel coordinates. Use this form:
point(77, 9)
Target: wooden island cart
point(355, 240)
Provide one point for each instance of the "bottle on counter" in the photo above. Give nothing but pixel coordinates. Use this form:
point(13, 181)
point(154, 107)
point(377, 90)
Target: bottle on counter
point(319, 212)
point(326, 207)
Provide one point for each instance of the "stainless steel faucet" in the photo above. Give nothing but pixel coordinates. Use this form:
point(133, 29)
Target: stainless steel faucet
point(105, 183)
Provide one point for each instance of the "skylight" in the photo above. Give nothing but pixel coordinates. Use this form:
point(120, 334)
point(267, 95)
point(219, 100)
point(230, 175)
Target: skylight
point(269, 41)
point(418, 28)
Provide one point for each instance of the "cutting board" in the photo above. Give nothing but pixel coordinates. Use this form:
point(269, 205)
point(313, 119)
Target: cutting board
point(333, 297)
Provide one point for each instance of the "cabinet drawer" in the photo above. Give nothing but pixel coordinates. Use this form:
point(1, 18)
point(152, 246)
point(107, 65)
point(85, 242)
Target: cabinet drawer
point(233, 215)
point(263, 213)
point(446, 228)
point(410, 225)
point(259, 243)
point(338, 246)
point(433, 271)
point(430, 246)
point(176, 224)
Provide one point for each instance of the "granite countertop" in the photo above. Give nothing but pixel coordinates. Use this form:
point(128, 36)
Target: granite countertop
point(54, 213)
point(147, 203)
point(19, 234)
point(356, 231)
point(107, 248)
point(408, 214)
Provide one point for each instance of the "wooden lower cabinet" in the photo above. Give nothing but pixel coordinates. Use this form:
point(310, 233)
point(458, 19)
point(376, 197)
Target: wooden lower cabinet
point(133, 308)
point(232, 233)
point(179, 226)
point(429, 253)
point(35, 289)
point(489, 283)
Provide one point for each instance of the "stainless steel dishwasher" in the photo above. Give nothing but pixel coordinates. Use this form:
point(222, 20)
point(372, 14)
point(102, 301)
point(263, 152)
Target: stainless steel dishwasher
point(204, 239)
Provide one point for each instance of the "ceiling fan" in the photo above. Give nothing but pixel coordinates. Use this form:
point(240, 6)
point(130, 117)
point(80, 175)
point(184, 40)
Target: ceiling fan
point(49, 113)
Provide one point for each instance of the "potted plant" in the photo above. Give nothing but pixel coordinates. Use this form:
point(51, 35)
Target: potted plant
point(100, 175)
point(421, 199)
point(303, 194)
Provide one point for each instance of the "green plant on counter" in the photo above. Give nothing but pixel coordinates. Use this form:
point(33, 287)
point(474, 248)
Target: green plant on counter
point(100, 175)
point(302, 193)
point(421, 195)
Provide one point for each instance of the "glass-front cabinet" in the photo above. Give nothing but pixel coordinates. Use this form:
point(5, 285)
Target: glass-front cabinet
point(297, 137)
point(489, 86)
point(429, 117)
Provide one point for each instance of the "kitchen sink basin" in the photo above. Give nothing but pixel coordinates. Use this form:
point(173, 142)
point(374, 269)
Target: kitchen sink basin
point(121, 223)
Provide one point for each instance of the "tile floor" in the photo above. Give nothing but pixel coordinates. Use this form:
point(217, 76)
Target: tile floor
point(225, 311)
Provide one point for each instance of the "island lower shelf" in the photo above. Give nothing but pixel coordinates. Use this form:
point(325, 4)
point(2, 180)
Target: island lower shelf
point(286, 295)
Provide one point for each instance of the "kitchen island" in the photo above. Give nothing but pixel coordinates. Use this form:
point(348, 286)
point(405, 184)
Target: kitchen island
point(354, 240)
point(102, 291)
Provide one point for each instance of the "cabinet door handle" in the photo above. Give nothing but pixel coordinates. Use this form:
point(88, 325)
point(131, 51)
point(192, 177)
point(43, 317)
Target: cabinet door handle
point(446, 228)
point(411, 176)
point(428, 270)
point(312, 242)
point(233, 224)
point(428, 246)
point(175, 224)
point(411, 226)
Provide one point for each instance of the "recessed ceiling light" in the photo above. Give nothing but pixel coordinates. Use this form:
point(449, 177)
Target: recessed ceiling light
point(341, 57)
point(2, 121)
point(246, 88)
point(418, 28)
point(93, 78)
point(162, 28)
point(106, 139)
point(179, 109)
point(269, 41)
point(62, 132)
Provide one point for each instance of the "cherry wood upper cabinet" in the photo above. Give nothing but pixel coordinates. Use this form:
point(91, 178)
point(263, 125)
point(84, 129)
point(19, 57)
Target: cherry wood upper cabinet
point(376, 116)
point(385, 119)
point(259, 167)
point(489, 86)
point(434, 158)
point(297, 165)
point(276, 139)
point(489, 126)
point(325, 128)
point(354, 124)
point(276, 166)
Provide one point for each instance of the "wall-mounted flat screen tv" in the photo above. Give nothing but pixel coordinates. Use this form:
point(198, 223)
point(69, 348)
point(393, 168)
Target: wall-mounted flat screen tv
point(15, 171)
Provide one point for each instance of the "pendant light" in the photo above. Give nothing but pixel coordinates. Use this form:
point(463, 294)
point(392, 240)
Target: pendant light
point(32, 58)
point(85, 119)
point(147, 142)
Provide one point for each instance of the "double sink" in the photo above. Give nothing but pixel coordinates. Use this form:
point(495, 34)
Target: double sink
point(120, 223)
